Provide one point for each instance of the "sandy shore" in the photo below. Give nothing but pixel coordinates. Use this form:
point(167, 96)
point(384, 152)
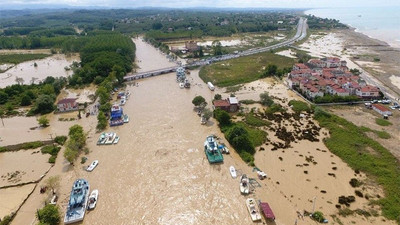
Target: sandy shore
point(158, 173)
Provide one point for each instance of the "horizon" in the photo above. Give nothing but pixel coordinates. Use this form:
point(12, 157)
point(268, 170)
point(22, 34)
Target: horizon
point(191, 4)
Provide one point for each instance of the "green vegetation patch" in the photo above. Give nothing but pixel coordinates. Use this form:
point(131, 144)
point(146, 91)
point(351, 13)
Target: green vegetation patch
point(252, 120)
point(382, 122)
point(362, 153)
point(19, 58)
point(299, 106)
point(242, 70)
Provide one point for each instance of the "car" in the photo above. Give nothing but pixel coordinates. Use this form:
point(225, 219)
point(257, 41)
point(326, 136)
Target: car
point(92, 165)
point(93, 199)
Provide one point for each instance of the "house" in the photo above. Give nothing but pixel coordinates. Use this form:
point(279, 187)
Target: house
point(368, 91)
point(191, 46)
point(67, 104)
point(381, 110)
point(230, 104)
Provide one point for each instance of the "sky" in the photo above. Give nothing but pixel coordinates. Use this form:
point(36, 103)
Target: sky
point(203, 3)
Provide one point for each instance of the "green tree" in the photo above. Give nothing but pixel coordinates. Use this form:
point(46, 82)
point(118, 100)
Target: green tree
point(53, 183)
point(222, 117)
point(44, 104)
point(207, 113)
point(198, 101)
point(25, 100)
point(50, 215)
point(265, 99)
point(217, 47)
point(70, 155)
point(43, 121)
point(3, 97)
point(77, 135)
point(217, 97)
point(270, 70)
point(101, 121)
point(48, 89)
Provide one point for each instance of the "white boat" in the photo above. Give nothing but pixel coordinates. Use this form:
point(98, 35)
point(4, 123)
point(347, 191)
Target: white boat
point(181, 85)
point(232, 170)
point(92, 165)
point(244, 184)
point(253, 209)
point(116, 140)
point(93, 199)
point(110, 138)
point(261, 175)
point(126, 118)
point(123, 101)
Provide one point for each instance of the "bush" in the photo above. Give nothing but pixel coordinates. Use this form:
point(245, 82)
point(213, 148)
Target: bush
point(274, 108)
point(60, 140)
point(318, 216)
point(49, 215)
point(247, 101)
point(50, 149)
point(265, 99)
point(198, 101)
point(6, 220)
point(32, 145)
point(52, 159)
point(383, 134)
point(43, 121)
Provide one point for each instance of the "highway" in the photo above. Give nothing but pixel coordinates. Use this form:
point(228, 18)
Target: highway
point(301, 33)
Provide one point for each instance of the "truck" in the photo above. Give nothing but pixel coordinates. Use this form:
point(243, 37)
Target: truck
point(211, 86)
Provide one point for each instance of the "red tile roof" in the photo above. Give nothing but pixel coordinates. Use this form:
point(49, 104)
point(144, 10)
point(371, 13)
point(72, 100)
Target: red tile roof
point(67, 100)
point(221, 103)
point(380, 107)
point(301, 66)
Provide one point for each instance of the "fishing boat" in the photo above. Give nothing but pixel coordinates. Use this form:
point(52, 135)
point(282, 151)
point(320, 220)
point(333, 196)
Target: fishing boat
point(116, 140)
point(126, 118)
point(266, 211)
point(253, 210)
point(244, 184)
point(102, 139)
point(92, 165)
point(110, 138)
point(232, 170)
point(213, 154)
point(77, 202)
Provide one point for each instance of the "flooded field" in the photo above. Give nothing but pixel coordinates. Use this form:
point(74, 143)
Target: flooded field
point(12, 198)
point(158, 172)
point(50, 66)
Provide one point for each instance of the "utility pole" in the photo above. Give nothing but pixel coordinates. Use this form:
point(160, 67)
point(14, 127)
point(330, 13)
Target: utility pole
point(313, 207)
point(51, 136)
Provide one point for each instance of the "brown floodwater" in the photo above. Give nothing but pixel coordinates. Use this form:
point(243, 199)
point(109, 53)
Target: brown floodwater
point(50, 66)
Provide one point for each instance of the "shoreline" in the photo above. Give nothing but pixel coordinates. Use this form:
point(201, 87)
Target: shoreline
point(395, 43)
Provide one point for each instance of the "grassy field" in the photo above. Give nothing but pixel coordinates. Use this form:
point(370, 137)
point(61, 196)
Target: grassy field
point(382, 122)
point(243, 69)
point(19, 58)
point(360, 152)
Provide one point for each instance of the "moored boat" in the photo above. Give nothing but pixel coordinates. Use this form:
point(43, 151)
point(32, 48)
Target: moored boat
point(232, 170)
point(213, 154)
point(244, 184)
point(110, 138)
point(266, 210)
point(77, 202)
point(253, 210)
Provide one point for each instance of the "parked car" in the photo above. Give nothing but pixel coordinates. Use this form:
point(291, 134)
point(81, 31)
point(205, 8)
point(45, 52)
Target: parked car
point(92, 165)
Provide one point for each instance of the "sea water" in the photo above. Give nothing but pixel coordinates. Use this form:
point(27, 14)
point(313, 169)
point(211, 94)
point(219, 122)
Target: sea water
point(382, 23)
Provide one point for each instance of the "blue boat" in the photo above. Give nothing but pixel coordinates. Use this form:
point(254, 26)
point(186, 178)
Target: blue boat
point(213, 154)
point(77, 202)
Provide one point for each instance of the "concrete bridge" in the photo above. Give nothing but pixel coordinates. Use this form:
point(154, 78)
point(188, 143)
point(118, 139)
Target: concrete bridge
point(152, 73)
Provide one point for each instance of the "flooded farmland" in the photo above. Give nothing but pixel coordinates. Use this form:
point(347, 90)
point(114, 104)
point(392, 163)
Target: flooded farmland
point(51, 66)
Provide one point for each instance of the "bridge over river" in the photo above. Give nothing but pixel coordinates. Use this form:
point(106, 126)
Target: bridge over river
point(300, 34)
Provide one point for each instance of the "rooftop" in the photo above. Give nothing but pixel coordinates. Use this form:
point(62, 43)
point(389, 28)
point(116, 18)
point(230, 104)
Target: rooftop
point(67, 100)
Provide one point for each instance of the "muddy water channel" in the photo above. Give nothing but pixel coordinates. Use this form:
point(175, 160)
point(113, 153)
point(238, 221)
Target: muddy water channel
point(50, 66)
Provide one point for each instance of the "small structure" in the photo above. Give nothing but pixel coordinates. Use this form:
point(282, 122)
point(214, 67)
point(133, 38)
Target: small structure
point(191, 46)
point(381, 110)
point(230, 104)
point(67, 104)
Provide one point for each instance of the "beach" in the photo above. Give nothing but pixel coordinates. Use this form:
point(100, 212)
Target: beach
point(158, 172)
